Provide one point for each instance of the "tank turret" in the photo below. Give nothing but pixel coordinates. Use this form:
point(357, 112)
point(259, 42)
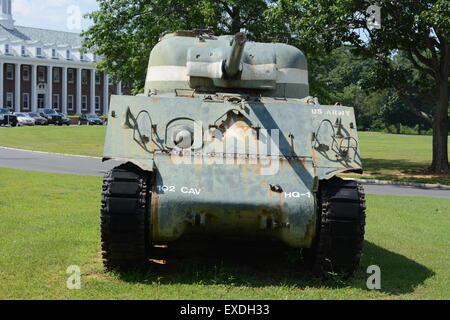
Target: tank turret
point(195, 61)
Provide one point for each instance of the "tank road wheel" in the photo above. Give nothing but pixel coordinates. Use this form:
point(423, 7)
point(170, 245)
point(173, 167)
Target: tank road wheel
point(340, 236)
point(125, 218)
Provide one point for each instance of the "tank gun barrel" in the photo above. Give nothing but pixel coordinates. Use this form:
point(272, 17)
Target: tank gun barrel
point(233, 63)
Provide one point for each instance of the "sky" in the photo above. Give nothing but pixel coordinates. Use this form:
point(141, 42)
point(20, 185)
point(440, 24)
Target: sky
point(62, 15)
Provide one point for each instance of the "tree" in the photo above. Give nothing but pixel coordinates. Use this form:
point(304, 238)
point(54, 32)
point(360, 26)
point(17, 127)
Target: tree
point(125, 31)
point(419, 29)
point(394, 112)
point(397, 107)
point(339, 77)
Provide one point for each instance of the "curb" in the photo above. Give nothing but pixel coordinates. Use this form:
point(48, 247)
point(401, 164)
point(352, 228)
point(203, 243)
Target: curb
point(50, 153)
point(403, 184)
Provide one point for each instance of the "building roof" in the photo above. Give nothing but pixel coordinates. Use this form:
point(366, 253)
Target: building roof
point(58, 38)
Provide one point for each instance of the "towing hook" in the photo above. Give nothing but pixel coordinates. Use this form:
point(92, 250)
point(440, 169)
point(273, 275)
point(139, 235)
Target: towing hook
point(276, 188)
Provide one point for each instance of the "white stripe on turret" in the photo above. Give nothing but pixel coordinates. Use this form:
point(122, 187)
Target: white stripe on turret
point(167, 73)
point(291, 75)
point(214, 71)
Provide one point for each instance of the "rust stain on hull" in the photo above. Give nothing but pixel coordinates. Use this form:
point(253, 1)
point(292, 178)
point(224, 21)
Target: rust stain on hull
point(310, 233)
point(154, 214)
point(280, 200)
point(302, 163)
point(314, 158)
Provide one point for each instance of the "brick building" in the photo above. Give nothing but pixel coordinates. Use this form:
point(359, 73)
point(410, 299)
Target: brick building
point(46, 69)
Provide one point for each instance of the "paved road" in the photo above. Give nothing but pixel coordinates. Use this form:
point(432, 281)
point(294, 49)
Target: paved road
point(46, 162)
point(49, 162)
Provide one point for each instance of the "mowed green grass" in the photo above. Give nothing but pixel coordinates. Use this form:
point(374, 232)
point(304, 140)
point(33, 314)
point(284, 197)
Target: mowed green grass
point(382, 152)
point(49, 222)
point(78, 140)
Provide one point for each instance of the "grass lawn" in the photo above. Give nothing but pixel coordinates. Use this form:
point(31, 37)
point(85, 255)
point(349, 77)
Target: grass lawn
point(49, 222)
point(79, 140)
point(383, 152)
point(398, 157)
point(385, 156)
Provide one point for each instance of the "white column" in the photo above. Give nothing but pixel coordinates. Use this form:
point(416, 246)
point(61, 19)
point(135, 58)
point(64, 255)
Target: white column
point(78, 91)
point(105, 94)
point(33, 88)
point(50, 87)
point(17, 85)
point(119, 88)
point(64, 89)
point(2, 97)
point(92, 91)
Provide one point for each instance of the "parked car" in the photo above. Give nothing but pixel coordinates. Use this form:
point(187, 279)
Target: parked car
point(65, 119)
point(38, 120)
point(52, 116)
point(24, 119)
point(7, 118)
point(90, 120)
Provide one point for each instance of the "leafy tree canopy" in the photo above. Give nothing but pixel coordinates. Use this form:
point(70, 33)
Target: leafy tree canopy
point(125, 31)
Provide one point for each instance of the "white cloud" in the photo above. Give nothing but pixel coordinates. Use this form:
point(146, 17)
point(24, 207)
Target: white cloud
point(50, 14)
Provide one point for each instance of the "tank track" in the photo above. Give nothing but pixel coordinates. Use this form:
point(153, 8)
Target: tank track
point(124, 218)
point(339, 242)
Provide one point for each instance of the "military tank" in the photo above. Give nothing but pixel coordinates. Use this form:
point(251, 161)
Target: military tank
point(226, 142)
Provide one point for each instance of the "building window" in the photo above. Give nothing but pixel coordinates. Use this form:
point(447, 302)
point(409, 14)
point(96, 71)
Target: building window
point(41, 74)
point(97, 78)
point(7, 7)
point(9, 100)
point(9, 72)
point(54, 54)
point(23, 51)
point(84, 77)
point(68, 54)
point(97, 103)
point(56, 75)
point(83, 102)
point(38, 52)
point(26, 101)
point(55, 101)
point(70, 102)
point(71, 75)
point(7, 50)
point(81, 56)
point(26, 73)
point(95, 57)
point(110, 81)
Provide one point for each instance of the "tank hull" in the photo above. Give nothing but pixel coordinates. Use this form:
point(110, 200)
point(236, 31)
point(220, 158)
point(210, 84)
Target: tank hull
point(225, 142)
point(231, 200)
point(243, 192)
